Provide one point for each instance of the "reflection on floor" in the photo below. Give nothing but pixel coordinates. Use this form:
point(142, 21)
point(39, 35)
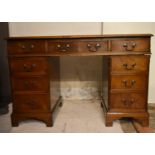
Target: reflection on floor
point(130, 126)
point(80, 116)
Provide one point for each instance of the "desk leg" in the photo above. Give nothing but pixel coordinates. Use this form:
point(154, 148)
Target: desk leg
point(108, 122)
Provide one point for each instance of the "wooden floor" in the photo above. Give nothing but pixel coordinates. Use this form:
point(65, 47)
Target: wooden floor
point(141, 129)
point(131, 126)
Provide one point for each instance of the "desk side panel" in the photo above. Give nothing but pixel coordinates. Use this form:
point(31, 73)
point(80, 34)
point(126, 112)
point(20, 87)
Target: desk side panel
point(54, 70)
point(105, 79)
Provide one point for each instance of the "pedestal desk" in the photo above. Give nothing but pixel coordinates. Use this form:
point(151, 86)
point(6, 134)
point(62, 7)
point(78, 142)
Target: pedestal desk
point(35, 63)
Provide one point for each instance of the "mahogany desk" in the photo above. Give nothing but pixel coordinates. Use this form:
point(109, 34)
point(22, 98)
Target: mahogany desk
point(34, 62)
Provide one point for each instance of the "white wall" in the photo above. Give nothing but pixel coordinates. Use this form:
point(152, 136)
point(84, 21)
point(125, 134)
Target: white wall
point(53, 28)
point(137, 27)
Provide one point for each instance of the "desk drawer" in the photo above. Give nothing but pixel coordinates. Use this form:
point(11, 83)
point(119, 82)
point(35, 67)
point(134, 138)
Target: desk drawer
point(31, 103)
point(131, 45)
point(30, 84)
point(28, 66)
point(26, 47)
point(128, 101)
point(129, 64)
point(62, 47)
point(132, 82)
point(77, 47)
point(93, 46)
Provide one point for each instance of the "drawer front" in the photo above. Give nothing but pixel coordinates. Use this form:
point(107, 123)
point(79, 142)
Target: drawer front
point(29, 66)
point(129, 64)
point(128, 101)
point(26, 47)
point(31, 103)
point(77, 47)
point(131, 45)
point(62, 47)
point(30, 84)
point(93, 46)
point(132, 82)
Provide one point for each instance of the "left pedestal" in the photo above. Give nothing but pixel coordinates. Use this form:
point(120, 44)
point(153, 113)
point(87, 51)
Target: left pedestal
point(30, 80)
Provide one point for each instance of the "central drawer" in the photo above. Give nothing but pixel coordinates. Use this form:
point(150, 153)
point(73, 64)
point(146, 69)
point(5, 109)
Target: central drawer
point(132, 82)
point(74, 47)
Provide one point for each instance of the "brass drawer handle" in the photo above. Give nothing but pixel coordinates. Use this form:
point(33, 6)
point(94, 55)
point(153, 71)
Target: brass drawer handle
point(32, 103)
point(29, 68)
point(32, 46)
point(63, 48)
point(128, 102)
point(128, 84)
point(23, 47)
point(28, 84)
point(129, 67)
point(129, 46)
point(93, 48)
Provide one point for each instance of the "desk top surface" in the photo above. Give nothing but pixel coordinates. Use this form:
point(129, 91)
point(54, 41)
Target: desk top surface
point(81, 36)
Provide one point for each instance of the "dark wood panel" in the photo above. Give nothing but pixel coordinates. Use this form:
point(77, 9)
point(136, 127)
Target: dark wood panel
point(29, 66)
point(25, 103)
point(127, 71)
point(30, 84)
point(132, 82)
point(26, 47)
point(129, 64)
point(132, 45)
point(93, 46)
point(90, 46)
point(127, 102)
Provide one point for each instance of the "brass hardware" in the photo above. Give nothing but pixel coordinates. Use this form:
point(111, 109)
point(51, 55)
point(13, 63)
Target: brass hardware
point(93, 48)
point(33, 65)
point(133, 82)
point(28, 84)
point(125, 102)
point(129, 46)
point(32, 46)
point(128, 102)
point(128, 84)
point(67, 45)
point(29, 68)
point(98, 45)
point(129, 67)
point(23, 46)
point(133, 44)
point(58, 46)
point(125, 45)
point(132, 101)
point(63, 48)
